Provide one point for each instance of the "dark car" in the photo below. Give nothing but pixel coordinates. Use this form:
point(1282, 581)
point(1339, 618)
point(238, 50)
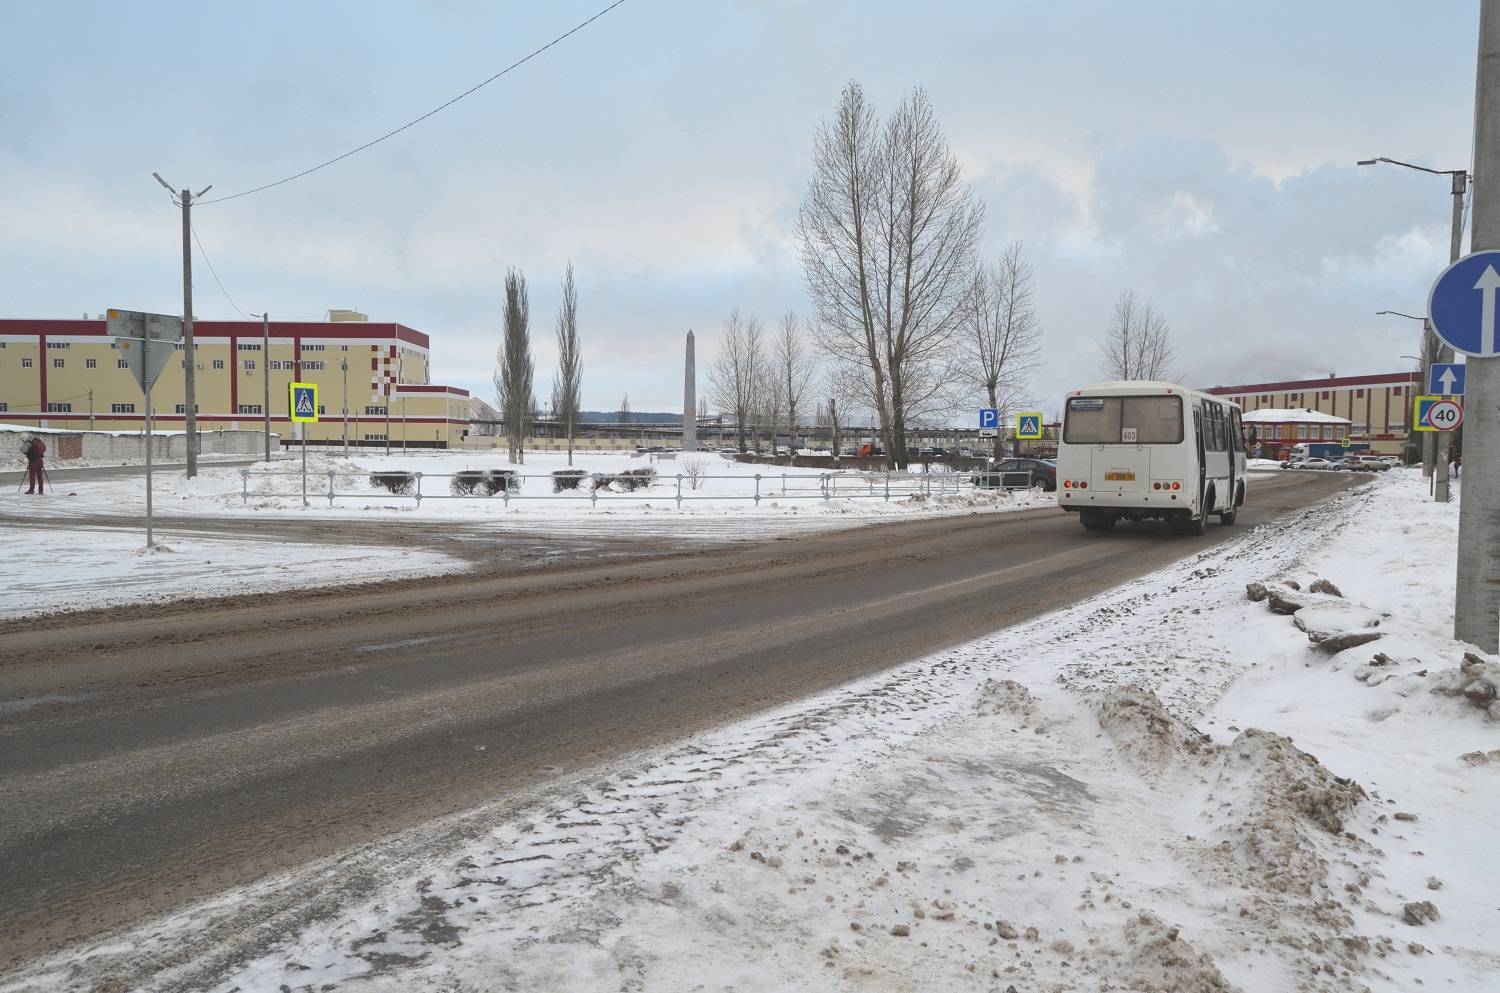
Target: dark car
point(1043, 473)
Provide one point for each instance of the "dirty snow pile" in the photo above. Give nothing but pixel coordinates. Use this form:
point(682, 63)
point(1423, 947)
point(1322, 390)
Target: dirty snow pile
point(1165, 788)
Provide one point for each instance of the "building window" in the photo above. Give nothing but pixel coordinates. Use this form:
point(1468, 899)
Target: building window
point(57, 363)
point(218, 363)
point(315, 366)
point(248, 408)
point(90, 364)
point(1359, 429)
point(182, 408)
point(25, 363)
point(58, 344)
point(249, 365)
point(1359, 394)
point(248, 346)
point(373, 411)
point(375, 437)
point(1327, 432)
point(314, 348)
point(1301, 432)
point(322, 409)
point(178, 347)
point(3, 405)
point(342, 348)
point(121, 364)
point(122, 408)
point(1395, 391)
point(59, 408)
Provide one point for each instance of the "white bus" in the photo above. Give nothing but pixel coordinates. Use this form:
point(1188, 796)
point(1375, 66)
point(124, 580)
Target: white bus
point(1146, 450)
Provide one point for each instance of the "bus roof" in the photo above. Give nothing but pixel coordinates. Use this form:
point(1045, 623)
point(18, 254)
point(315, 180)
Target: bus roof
point(1138, 387)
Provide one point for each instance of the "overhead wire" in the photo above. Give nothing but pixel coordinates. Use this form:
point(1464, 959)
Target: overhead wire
point(418, 120)
point(211, 269)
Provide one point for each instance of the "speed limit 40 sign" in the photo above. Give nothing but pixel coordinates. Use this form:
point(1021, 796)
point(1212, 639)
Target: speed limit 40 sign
point(1437, 414)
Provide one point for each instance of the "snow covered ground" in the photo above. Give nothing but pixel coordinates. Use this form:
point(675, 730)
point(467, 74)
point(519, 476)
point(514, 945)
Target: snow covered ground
point(47, 569)
point(791, 498)
point(1168, 787)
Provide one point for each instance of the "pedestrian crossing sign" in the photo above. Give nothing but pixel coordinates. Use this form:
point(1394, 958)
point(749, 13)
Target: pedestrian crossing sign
point(303, 402)
point(1029, 425)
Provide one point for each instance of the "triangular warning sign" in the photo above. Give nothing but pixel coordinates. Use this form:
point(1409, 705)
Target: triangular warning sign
point(304, 403)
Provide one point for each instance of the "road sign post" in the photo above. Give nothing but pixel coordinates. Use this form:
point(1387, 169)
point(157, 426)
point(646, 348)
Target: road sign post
point(148, 342)
point(302, 406)
point(1476, 605)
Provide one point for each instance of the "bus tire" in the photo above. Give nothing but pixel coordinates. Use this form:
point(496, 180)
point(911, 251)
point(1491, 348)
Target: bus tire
point(1097, 521)
point(1194, 525)
point(1229, 516)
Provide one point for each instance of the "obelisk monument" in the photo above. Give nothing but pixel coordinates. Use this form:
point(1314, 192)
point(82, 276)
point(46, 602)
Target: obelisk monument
point(690, 401)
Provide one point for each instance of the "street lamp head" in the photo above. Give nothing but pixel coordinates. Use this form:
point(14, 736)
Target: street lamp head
point(1367, 161)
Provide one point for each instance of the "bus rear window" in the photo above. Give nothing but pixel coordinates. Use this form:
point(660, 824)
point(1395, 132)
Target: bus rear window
point(1152, 420)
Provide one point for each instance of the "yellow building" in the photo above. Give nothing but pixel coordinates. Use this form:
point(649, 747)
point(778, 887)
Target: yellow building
point(1377, 407)
point(69, 374)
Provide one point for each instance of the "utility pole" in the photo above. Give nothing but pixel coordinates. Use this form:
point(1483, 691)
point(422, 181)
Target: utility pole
point(184, 199)
point(91, 408)
point(1477, 602)
point(344, 368)
point(265, 378)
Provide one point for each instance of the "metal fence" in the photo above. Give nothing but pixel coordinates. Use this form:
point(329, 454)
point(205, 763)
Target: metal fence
point(506, 486)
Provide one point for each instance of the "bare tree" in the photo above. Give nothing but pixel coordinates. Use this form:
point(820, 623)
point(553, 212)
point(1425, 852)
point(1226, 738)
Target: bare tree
point(624, 412)
point(794, 373)
point(513, 373)
point(768, 404)
point(887, 231)
point(735, 378)
point(1138, 344)
point(1004, 340)
point(567, 385)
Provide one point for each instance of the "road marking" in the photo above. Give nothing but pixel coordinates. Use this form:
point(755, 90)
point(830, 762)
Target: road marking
point(381, 646)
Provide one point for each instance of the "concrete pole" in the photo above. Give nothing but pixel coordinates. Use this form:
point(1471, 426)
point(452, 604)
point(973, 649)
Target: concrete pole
point(1476, 607)
point(1444, 353)
point(265, 378)
point(690, 400)
point(189, 390)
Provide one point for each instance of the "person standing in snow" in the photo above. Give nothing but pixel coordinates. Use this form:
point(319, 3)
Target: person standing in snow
point(35, 449)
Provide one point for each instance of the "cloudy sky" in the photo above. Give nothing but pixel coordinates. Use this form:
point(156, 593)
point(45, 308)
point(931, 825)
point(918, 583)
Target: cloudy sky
point(1201, 154)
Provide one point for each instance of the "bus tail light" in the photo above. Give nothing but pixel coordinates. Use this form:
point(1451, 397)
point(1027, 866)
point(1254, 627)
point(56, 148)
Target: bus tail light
point(1156, 486)
point(1176, 486)
point(1067, 484)
point(1083, 485)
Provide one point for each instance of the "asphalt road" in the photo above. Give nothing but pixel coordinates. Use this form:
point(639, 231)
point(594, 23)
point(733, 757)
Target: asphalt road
point(149, 756)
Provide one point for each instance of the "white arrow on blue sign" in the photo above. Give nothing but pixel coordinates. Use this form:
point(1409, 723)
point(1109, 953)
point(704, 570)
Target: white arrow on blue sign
point(989, 417)
point(1463, 301)
point(1447, 379)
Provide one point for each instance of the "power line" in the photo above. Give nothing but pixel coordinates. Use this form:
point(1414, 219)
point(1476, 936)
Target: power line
point(391, 134)
point(216, 274)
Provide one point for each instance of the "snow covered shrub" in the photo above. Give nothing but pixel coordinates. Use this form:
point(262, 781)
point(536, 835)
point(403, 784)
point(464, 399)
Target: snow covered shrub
point(398, 483)
point(694, 468)
point(467, 482)
point(502, 479)
point(566, 479)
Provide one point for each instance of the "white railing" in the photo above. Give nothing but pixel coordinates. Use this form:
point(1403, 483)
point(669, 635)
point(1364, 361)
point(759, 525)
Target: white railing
point(506, 485)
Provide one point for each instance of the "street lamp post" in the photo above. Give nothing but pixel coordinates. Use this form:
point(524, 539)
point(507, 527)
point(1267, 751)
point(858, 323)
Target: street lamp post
point(1435, 464)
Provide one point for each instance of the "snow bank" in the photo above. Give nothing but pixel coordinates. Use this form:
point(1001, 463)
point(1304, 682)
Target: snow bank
point(1036, 810)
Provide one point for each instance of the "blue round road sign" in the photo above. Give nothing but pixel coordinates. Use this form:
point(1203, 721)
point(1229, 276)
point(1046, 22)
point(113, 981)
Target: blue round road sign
point(1463, 304)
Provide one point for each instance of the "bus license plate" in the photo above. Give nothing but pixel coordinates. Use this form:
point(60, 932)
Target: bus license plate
point(1120, 476)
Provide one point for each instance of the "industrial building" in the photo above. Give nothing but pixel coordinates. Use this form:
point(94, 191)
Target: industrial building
point(373, 381)
point(1376, 407)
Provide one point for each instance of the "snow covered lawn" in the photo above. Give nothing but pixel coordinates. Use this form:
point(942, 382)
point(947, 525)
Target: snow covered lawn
point(1168, 787)
point(48, 569)
point(791, 498)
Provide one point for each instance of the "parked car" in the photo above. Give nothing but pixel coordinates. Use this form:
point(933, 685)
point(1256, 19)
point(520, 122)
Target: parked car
point(1043, 473)
point(1391, 460)
point(1371, 463)
point(1313, 463)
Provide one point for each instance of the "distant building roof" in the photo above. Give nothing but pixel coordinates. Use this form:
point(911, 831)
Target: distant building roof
point(1274, 415)
point(1328, 383)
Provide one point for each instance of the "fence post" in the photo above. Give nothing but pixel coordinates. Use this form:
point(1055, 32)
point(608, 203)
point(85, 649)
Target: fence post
point(330, 487)
point(888, 486)
point(757, 489)
point(593, 493)
point(679, 491)
point(505, 491)
point(244, 486)
point(419, 489)
point(783, 484)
